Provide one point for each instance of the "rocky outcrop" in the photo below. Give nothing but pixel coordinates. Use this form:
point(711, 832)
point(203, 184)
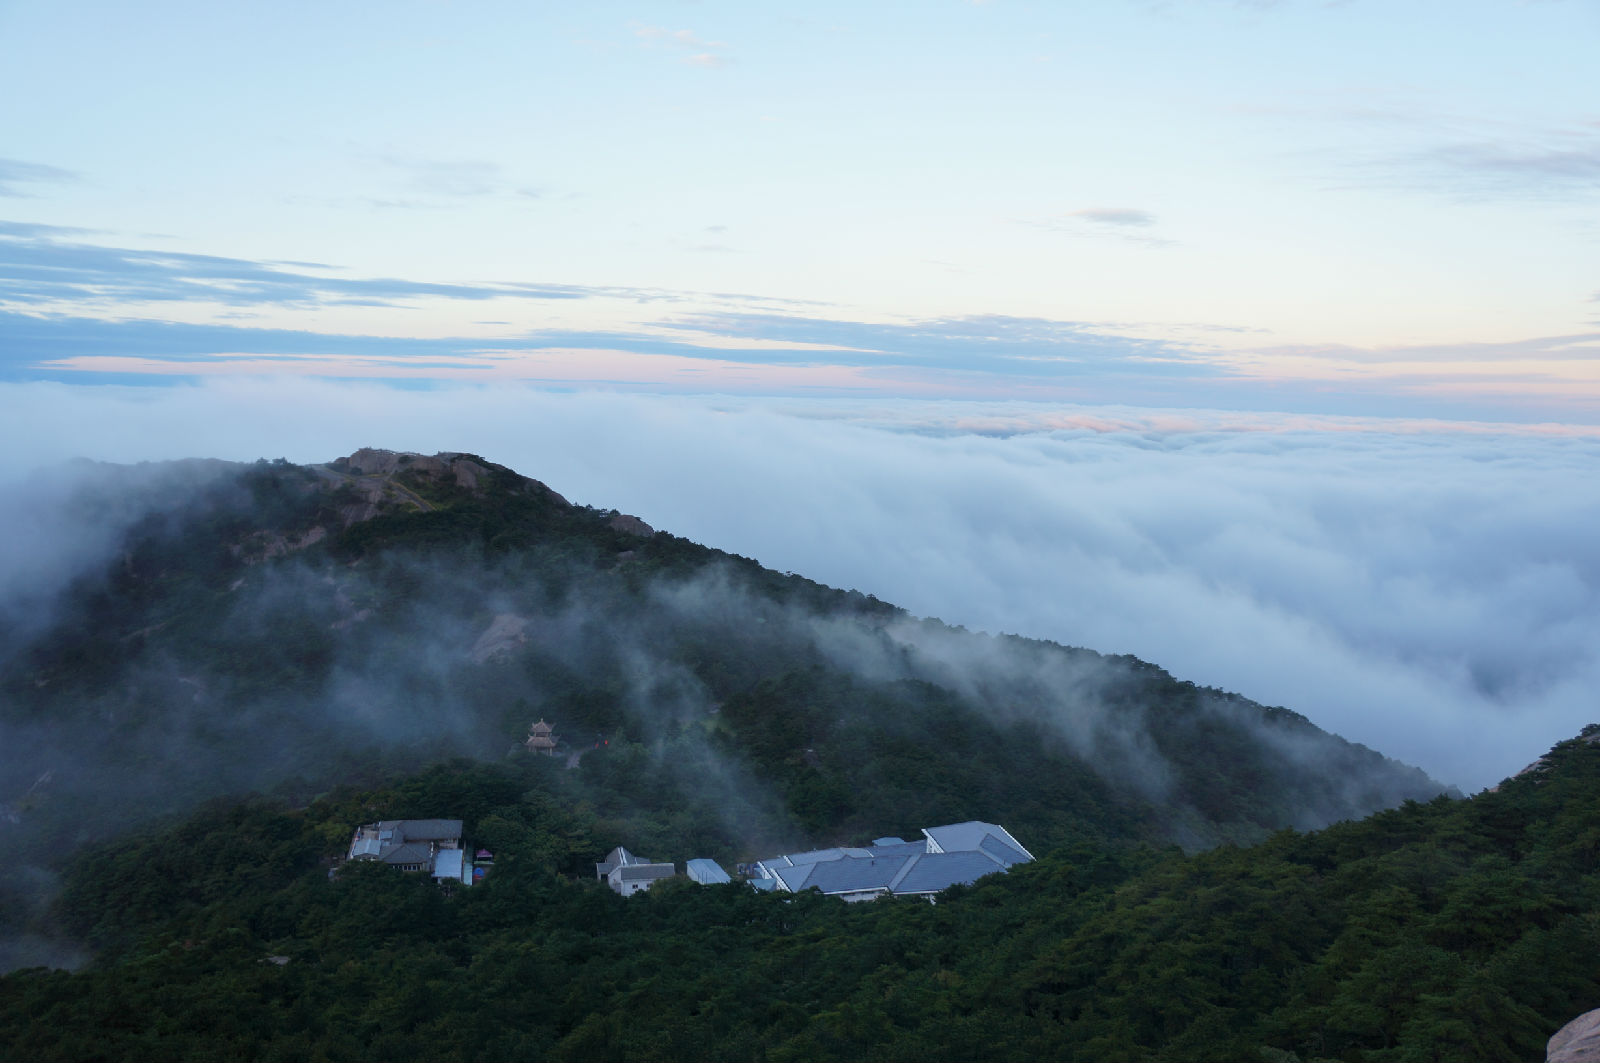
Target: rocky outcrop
point(265, 545)
point(505, 634)
point(1576, 1042)
point(370, 462)
point(467, 473)
point(630, 525)
point(463, 471)
point(1590, 734)
point(371, 483)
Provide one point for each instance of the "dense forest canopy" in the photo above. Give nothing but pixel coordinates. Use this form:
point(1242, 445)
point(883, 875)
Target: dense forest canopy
point(371, 638)
point(1447, 930)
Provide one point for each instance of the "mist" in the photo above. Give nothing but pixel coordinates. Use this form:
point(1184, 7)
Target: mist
point(1428, 590)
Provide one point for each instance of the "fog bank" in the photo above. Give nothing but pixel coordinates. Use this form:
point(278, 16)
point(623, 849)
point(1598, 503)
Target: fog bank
point(1427, 589)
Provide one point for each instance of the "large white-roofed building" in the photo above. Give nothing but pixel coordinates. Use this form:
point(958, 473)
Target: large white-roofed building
point(955, 854)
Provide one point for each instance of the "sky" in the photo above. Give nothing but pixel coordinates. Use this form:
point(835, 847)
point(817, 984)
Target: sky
point(1357, 207)
point(1260, 339)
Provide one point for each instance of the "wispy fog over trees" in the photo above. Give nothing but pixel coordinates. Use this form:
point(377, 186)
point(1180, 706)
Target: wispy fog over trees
point(272, 627)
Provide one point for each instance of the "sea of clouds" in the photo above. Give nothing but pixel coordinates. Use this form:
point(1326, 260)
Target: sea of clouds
point(1429, 589)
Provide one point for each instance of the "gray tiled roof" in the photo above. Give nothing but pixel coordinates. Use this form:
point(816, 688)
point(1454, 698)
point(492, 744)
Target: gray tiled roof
point(644, 872)
point(614, 859)
point(409, 853)
point(430, 830)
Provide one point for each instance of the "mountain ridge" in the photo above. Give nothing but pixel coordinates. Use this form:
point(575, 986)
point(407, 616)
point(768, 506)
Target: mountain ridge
point(237, 627)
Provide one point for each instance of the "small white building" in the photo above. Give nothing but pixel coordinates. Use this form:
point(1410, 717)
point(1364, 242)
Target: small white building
point(628, 874)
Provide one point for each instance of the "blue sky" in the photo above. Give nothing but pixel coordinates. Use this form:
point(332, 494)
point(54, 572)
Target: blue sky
point(1347, 208)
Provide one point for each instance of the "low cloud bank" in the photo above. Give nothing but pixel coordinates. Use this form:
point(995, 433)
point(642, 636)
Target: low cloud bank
point(1431, 590)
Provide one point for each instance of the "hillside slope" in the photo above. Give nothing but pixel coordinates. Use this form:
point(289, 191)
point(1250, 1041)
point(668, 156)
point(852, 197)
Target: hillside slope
point(230, 628)
point(1446, 930)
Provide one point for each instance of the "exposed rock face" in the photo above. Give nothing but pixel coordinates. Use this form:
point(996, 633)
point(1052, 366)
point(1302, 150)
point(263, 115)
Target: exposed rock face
point(504, 635)
point(1576, 1042)
point(447, 464)
point(264, 545)
point(629, 525)
point(1589, 734)
point(370, 462)
point(467, 473)
point(373, 482)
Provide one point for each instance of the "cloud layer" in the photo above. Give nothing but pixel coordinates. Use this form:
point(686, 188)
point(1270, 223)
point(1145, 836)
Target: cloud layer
point(1431, 591)
point(16, 176)
point(39, 265)
point(72, 308)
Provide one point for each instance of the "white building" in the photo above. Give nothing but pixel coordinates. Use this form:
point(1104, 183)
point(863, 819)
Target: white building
point(628, 874)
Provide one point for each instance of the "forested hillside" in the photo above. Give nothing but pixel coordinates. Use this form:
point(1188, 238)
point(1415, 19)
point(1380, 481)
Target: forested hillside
point(1447, 930)
point(202, 632)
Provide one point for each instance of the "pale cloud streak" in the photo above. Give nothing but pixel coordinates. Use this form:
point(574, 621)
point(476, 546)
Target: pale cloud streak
point(706, 54)
point(1559, 167)
point(73, 309)
point(1404, 145)
point(45, 265)
point(459, 179)
point(1114, 216)
point(16, 176)
point(1130, 224)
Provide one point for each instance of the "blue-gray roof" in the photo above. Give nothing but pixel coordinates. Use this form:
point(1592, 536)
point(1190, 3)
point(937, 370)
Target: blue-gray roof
point(816, 856)
point(1000, 851)
point(936, 871)
point(365, 847)
point(853, 875)
point(448, 863)
point(956, 853)
point(706, 871)
point(969, 836)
